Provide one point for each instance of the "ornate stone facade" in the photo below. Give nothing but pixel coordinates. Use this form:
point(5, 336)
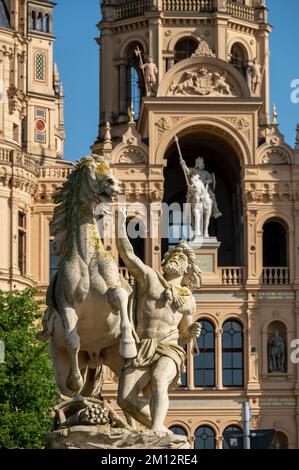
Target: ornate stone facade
point(215, 97)
point(31, 141)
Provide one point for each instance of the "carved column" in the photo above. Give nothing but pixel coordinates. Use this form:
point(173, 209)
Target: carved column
point(190, 368)
point(250, 349)
point(219, 442)
point(123, 89)
point(254, 249)
point(154, 238)
point(218, 359)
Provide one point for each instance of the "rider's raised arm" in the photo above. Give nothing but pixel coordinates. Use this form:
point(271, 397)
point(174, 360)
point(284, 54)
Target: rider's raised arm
point(184, 167)
point(126, 251)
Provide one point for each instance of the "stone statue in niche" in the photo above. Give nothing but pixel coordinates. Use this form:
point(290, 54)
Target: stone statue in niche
point(255, 74)
point(276, 353)
point(201, 195)
point(150, 73)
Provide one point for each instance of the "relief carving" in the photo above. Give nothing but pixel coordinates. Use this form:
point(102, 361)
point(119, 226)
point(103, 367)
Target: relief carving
point(203, 83)
point(203, 50)
point(275, 157)
point(132, 156)
point(163, 124)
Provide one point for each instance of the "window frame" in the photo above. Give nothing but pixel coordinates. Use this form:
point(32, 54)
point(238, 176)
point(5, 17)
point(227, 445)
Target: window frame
point(204, 350)
point(233, 350)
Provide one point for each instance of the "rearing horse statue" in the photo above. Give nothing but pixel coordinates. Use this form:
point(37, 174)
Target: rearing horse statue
point(87, 300)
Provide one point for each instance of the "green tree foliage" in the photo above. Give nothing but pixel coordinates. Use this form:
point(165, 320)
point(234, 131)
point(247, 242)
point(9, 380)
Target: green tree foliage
point(27, 387)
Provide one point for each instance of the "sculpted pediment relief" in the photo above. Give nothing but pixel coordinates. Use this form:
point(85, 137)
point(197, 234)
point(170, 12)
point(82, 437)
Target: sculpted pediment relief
point(203, 76)
point(201, 82)
point(276, 156)
point(131, 150)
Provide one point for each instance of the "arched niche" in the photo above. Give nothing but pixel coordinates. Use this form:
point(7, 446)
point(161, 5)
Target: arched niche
point(277, 348)
point(131, 81)
point(239, 57)
point(220, 158)
point(280, 441)
point(275, 252)
point(184, 48)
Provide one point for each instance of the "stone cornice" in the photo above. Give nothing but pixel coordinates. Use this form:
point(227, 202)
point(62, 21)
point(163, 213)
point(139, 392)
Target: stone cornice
point(185, 103)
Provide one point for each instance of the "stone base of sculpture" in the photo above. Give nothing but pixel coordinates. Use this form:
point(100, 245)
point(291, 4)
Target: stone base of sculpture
point(88, 423)
point(201, 242)
point(106, 437)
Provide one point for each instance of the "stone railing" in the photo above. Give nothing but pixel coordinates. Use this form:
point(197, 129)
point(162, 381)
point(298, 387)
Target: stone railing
point(276, 276)
point(18, 159)
point(241, 11)
point(131, 9)
point(232, 276)
point(53, 173)
point(195, 6)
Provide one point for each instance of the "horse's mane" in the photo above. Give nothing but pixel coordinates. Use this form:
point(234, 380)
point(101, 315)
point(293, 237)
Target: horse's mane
point(66, 199)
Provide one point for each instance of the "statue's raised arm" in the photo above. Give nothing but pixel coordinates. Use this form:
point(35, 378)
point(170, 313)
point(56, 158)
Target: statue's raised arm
point(126, 251)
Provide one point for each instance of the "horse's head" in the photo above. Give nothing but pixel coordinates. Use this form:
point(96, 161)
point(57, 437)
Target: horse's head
point(97, 182)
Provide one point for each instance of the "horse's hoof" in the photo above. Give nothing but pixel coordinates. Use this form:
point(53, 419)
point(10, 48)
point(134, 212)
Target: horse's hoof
point(127, 350)
point(74, 383)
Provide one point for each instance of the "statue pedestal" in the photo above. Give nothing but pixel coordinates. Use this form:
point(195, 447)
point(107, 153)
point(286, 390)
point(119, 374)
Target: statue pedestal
point(206, 250)
point(106, 437)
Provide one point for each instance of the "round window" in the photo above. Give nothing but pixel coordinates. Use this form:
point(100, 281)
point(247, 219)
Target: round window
point(40, 125)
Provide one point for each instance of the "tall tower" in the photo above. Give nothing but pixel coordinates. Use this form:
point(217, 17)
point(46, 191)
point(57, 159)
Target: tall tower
point(31, 140)
point(212, 92)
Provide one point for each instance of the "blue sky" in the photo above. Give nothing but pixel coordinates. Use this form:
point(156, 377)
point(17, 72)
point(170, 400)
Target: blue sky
point(77, 56)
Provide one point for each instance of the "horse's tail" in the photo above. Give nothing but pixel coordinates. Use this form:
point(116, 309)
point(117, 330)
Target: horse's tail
point(50, 313)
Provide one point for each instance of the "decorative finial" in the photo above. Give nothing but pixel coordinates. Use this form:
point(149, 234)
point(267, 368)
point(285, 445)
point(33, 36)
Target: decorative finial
point(131, 113)
point(107, 136)
point(275, 114)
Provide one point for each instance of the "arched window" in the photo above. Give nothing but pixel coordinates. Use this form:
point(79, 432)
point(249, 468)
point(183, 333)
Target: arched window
point(232, 354)
point(277, 348)
point(47, 23)
point(235, 429)
point(135, 91)
point(205, 438)
point(40, 67)
point(135, 87)
point(280, 441)
point(178, 430)
point(204, 364)
point(53, 260)
point(136, 235)
point(33, 20)
point(40, 22)
point(275, 253)
point(184, 48)
point(239, 58)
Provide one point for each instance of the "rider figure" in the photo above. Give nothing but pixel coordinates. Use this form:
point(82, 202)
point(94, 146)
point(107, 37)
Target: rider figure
point(207, 179)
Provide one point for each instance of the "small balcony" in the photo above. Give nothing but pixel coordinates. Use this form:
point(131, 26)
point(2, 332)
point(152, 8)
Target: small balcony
point(276, 276)
point(232, 276)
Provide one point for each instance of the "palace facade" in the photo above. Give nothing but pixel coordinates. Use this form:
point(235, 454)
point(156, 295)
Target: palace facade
point(212, 91)
point(31, 141)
